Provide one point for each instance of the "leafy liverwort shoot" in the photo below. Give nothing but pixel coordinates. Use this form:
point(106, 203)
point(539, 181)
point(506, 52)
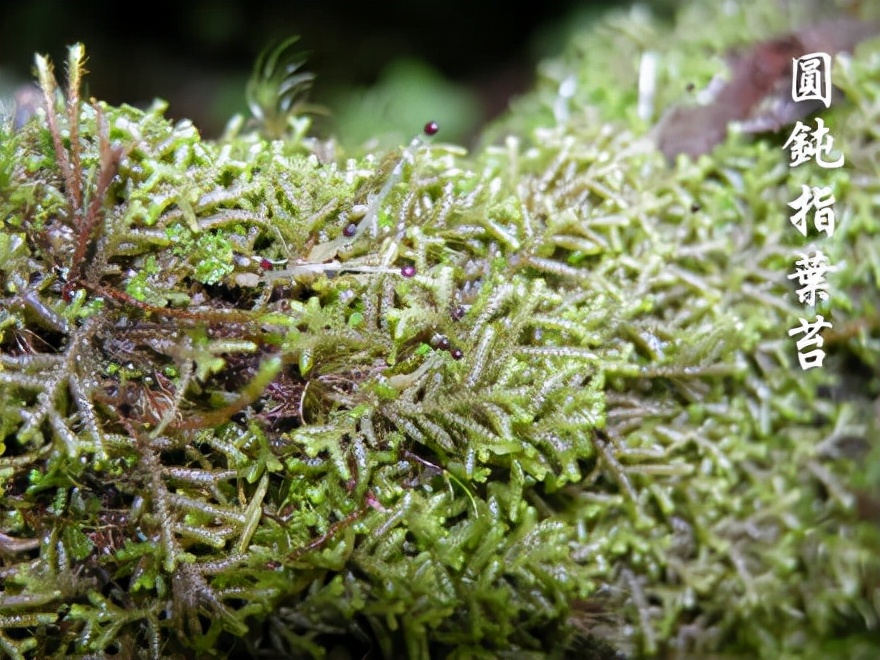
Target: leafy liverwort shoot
point(369, 223)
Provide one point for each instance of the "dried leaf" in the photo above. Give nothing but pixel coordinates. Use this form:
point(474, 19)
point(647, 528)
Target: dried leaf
point(758, 93)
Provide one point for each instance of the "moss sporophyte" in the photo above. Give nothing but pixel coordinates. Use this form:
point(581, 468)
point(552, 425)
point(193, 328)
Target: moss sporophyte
point(258, 397)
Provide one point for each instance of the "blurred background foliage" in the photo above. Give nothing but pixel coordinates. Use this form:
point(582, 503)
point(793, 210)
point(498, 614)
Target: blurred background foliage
point(383, 68)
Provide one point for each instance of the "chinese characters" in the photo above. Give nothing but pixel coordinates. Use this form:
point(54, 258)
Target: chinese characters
point(811, 80)
point(806, 146)
point(810, 275)
point(818, 200)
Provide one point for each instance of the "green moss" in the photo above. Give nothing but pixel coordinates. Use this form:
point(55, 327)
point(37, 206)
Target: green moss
point(230, 421)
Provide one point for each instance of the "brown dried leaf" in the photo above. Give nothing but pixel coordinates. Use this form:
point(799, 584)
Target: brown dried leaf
point(758, 93)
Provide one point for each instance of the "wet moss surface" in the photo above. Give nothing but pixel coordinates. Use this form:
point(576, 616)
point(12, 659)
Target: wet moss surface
point(535, 400)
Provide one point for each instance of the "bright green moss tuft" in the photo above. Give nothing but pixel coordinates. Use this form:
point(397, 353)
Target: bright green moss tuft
point(535, 400)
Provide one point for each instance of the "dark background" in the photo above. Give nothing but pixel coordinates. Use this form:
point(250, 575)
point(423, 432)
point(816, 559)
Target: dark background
point(198, 54)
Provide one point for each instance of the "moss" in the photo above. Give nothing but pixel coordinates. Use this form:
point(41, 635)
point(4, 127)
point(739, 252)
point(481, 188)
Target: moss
point(536, 400)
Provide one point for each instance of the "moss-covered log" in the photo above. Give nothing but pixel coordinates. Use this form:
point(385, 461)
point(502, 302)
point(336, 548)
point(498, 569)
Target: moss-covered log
point(536, 400)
